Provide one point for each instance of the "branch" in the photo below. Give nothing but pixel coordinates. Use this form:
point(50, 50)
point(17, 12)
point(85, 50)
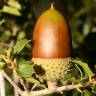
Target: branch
point(46, 91)
point(15, 79)
point(59, 89)
point(24, 85)
point(15, 30)
point(13, 84)
point(2, 84)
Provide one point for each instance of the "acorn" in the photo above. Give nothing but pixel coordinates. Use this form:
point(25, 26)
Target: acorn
point(52, 46)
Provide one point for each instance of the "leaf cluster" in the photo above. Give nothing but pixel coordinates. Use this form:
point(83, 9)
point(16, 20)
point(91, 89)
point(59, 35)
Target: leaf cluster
point(17, 19)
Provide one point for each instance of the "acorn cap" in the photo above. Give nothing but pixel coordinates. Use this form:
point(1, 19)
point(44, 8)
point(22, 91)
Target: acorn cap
point(51, 69)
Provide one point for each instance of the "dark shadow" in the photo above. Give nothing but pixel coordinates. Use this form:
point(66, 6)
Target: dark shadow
point(88, 49)
point(39, 70)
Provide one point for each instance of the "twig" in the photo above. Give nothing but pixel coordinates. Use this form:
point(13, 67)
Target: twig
point(34, 86)
point(46, 91)
point(2, 85)
point(23, 84)
point(13, 84)
point(52, 85)
point(15, 79)
point(12, 42)
point(59, 89)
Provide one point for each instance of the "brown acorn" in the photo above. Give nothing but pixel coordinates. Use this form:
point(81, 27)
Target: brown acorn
point(52, 46)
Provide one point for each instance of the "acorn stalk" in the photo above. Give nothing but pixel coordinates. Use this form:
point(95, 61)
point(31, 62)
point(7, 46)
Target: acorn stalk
point(52, 46)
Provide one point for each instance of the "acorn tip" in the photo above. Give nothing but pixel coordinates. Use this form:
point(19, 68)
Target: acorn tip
point(52, 6)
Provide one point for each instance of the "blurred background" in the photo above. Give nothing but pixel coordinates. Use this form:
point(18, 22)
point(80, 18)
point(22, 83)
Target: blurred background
point(21, 16)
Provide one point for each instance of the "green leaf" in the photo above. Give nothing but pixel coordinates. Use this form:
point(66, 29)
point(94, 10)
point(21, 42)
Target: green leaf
point(10, 10)
point(69, 78)
point(73, 92)
point(34, 81)
point(84, 66)
point(81, 73)
point(14, 3)
point(21, 61)
point(2, 64)
point(1, 56)
point(20, 45)
point(2, 21)
point(21, 35)
point(2, 51)
point(25, 70)
point(86, 93)
point(94, 89)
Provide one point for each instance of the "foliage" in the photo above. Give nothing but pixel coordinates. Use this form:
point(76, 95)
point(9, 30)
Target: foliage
point(17, 19)
point(20, 45)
